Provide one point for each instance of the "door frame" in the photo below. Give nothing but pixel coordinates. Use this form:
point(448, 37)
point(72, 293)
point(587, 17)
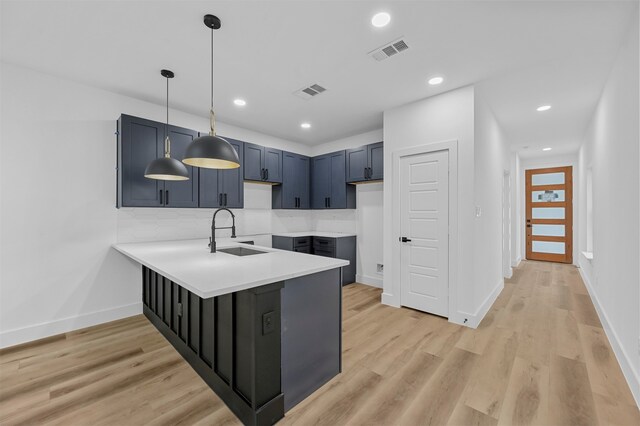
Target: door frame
point(568, 206)
point(507, 215)
point(396, 259)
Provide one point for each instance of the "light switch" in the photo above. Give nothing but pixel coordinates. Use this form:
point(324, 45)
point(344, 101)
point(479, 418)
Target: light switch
point(478, 211)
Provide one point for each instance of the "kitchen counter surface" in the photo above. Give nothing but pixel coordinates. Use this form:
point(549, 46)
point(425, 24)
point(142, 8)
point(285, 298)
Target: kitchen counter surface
point(314, 234)
point(189, 264)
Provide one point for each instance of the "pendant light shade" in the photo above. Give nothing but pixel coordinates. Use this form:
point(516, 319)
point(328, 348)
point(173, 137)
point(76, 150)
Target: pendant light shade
point(212, 152)
point(166, 168)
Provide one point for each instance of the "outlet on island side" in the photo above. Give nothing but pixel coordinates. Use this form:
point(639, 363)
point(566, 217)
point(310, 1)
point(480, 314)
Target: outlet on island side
point(380, 268)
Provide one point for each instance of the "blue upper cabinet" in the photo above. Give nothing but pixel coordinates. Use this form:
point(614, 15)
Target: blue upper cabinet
point(140, 141)
point(224, 188)
point(365, 163)
point(329, 189)
point(375, 153)
point(262, 164)
point(294, 191)
point(356, 164)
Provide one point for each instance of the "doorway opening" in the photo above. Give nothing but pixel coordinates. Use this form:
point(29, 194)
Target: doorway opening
point(549, 214)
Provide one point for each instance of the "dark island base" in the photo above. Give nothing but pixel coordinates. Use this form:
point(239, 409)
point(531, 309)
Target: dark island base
point(233, 342)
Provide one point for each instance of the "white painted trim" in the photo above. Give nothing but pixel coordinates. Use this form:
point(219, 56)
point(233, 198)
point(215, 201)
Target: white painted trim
point(51, 328)
point(516, 263)
point(473, 320)
point(393, 297)
point(369, 280)
point(630, 374)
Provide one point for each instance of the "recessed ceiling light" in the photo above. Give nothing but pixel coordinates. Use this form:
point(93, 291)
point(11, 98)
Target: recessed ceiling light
point(546, 149)
point(240, 102)
point(305, 125)
point(435, 80)
point(543, 108)
point(381, 19)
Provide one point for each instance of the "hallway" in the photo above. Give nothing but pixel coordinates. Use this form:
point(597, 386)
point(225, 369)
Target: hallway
point(539, 357)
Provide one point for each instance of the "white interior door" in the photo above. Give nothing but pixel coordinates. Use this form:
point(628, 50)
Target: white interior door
point(424, 223)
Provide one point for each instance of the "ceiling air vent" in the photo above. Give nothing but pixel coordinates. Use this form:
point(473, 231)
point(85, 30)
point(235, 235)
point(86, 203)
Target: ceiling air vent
point(389, 50)
point(310, 91)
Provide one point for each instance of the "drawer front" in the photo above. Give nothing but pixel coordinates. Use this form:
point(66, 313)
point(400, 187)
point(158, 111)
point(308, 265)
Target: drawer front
point(324, 243)
point(324, 252)
point(301, 241)
point(302, 249)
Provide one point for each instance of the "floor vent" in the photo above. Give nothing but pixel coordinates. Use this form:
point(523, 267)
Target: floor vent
point(389, 49)
point(309, 91)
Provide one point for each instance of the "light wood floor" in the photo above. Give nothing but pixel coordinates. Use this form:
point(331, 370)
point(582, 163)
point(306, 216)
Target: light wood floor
point(539, 357)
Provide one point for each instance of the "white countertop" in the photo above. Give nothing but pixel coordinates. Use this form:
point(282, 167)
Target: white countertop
point(314, 234)
point(190, 264)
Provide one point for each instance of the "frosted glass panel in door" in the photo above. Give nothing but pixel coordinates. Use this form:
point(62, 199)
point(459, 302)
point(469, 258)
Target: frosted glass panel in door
point(548, 247)
point(547, 196)
point(548, 179)
point(547, 213)
point(548, 230)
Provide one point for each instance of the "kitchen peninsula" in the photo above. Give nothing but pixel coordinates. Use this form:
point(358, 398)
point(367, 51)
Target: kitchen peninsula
point(261, 326)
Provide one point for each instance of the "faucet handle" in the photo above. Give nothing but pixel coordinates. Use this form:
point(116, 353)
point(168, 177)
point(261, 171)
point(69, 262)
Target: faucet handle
point(209, 242)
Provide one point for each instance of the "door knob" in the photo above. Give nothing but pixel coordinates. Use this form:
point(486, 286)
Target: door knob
point(405, 239)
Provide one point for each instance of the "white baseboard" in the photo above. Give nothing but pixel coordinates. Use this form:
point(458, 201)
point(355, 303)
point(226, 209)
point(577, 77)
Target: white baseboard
point(369, 280)
point(391, 300)
point(47, 329)
point(473, 320)
point(630, 374)
point(515, 263)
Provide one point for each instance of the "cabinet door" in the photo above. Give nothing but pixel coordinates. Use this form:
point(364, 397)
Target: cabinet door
point(290, 184)
point(376, 160)
point(231, 182)
point(181, 193)
point(338, 195)
point(320, 181)
point(303, 175)
point(356, 164)
point(273, 165)
point(253, 161)
point(209, 188)
point(140, 141)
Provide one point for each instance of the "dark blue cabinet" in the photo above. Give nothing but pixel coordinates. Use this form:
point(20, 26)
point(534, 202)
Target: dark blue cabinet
point(329, 189)
point(262, 164)
point(223, 188)
point(294, 191)
point(365, 163)
point(139, 142)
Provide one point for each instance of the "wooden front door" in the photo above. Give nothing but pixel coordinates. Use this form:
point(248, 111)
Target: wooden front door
point(549, 214)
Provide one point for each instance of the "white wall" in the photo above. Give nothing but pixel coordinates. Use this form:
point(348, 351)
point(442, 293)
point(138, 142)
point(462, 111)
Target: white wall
point(544, 162)
point(59, 219)
point(491, 158)
point(354, 141)
point(445, 117)
point(610, 149)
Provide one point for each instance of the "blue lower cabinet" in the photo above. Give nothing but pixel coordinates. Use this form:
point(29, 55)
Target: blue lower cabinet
point(223, 188)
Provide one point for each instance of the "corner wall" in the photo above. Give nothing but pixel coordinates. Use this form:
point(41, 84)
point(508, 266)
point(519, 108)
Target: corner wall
point(611, 150)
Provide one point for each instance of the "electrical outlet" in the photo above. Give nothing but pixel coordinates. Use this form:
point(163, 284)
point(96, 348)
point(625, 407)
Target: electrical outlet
point(380, 268)
point(268, 323)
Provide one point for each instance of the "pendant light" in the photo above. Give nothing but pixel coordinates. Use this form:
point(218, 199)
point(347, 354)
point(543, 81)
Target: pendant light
point(211, 152)
point(166, 168)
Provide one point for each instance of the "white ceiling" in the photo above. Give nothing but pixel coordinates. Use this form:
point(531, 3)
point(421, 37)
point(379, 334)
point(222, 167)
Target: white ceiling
point(525, 53)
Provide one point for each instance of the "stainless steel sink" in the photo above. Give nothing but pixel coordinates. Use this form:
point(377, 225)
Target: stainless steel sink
point(241, 251)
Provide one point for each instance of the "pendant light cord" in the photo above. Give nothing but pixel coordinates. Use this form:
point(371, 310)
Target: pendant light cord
point(167, 142)
point(212, 118)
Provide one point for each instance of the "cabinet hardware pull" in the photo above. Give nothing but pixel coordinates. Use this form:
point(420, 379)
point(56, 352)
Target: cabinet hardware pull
point(161, 197)
point(166, 197)
point(225, 199)
point(262, 174)
point(267, 174)
point(329, 201)
point(220, 199)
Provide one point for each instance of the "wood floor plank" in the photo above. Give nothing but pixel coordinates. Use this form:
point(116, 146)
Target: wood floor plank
point(527, 396)
point(567, 335)
point(435, 402)
point(467, 416)
point(570, 397)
